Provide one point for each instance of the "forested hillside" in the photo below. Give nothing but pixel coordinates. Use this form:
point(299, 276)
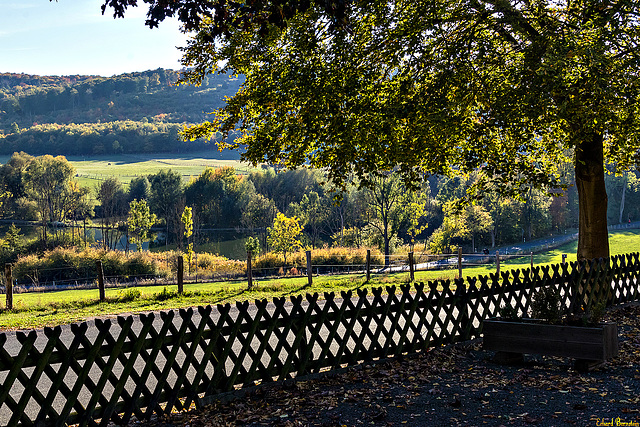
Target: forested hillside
point(129, 113)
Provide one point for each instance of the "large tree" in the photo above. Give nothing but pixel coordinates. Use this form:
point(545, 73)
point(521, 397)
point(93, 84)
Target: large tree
point(441, 86)
point(48, 181)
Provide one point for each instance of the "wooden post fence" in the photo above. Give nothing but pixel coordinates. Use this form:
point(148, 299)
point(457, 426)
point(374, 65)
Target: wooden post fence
point(531, 264)
point(175, 358)
point(249, 273)
point(309, 268)
point(460, 262)
point(9, 282)
point(497, 262)
point(411, 276)
point(180, 274)
point(100, 272)
point(368, 264)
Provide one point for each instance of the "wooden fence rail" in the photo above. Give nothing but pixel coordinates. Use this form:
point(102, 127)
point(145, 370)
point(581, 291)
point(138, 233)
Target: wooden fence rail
point(106, 371)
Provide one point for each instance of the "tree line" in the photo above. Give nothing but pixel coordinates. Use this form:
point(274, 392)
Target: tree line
point(386, 215)
point(135, 112)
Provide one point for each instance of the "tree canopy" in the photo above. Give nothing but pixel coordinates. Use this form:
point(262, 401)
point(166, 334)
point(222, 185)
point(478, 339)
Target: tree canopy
point(508, 88)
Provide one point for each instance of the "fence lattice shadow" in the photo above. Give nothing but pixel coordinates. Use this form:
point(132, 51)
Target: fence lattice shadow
point(110, 371)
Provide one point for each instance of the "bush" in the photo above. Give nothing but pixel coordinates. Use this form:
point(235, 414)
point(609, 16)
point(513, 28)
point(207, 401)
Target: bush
point(128, 295)
point(65, 264)
point(210, 263)
point(165, 295)
point(320, 257)
point(546, 305)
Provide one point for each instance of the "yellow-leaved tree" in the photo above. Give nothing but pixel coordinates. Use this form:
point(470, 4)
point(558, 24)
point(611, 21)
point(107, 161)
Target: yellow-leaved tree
point(284, 235)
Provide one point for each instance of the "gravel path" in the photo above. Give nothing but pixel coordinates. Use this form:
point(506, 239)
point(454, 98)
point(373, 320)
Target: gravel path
point(455, 385)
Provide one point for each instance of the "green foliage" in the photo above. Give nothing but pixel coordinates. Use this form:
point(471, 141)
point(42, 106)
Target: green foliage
point(545, 305)
point(352, 236)
point(165, 295)
point(145, 112)
point(128, 295)
point(416, 211)
point(511, 90)
point(140, 221)
point(388, 207)
point(187, 221)
point(47, 180)
point(139, 188)
point(187, 224)
point(218, 197)
point(12, 238)
point(597, 312)
point(252, 245)
point(507, 312)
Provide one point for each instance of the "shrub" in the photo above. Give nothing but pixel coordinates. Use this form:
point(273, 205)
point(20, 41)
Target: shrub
point(128, 295)
point(546, 305)
point(63, 264)
point(165, 295)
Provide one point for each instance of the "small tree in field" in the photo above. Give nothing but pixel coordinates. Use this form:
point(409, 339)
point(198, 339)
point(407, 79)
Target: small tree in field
point(187, 222)
point(140, 221)
point(252, 245)
point(283, 236)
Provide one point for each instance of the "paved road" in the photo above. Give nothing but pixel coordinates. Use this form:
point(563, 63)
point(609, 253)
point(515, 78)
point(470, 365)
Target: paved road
point(13, 347)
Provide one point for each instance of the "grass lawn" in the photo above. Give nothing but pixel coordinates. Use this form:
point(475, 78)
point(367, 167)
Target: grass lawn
point(32, 310)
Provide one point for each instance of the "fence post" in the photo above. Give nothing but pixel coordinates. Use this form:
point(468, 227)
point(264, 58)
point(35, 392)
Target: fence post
point(100, 280)
point(564, 258)
point(180, 274)
point(368, 264)
point(460, 262)
point(411, 277)
point(9, 283)
point(309, 268)
point(249, 272)
point(531, 271)
point(497, 262)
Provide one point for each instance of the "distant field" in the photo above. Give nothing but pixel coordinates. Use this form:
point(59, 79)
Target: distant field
point(91, 170)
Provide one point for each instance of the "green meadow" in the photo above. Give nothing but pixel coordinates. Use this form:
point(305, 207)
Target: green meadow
point(125, 167)
point(32, 310)
point(91, 170)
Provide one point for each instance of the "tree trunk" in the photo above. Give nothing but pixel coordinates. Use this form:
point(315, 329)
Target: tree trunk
point(593, 237)
point(386, 249)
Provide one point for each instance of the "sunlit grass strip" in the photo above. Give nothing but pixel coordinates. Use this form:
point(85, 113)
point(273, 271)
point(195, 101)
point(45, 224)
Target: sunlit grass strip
point(34, 310)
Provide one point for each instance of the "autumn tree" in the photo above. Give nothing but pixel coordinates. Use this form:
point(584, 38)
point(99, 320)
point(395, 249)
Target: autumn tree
point(505, 87)
point(283, 236)
point(187, 225)
point(139, 222)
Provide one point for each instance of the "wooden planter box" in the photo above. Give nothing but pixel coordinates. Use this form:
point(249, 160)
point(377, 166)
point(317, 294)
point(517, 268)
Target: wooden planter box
point(590, 346)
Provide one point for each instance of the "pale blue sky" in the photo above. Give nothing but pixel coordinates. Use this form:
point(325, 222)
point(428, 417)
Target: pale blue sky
point(73, 37)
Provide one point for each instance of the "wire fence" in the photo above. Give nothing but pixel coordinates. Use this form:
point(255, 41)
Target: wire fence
point(70, 278)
